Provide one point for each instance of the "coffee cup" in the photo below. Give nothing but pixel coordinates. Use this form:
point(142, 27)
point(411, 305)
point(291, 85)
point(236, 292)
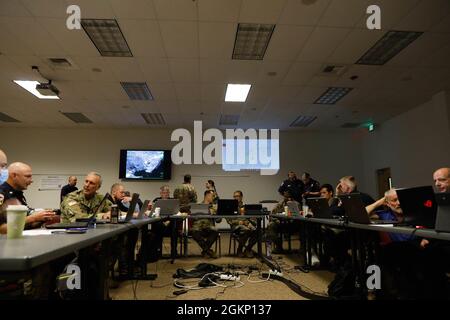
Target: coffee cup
point(16, 216)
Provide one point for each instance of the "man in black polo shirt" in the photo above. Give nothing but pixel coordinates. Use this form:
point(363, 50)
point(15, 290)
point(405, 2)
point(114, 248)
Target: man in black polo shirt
point(11, 193)
point(294, 186)
point(68, 188)
point(312, 187)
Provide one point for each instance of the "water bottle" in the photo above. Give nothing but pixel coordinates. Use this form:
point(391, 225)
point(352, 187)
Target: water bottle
point(305, 210)
point(114, 214)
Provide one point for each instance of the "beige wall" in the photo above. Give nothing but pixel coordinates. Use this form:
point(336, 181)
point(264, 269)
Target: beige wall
point(326, 155)
point(412, 144)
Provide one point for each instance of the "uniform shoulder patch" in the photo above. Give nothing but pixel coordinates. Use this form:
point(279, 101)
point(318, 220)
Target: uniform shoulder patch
point(2, 197)
point(72, 203)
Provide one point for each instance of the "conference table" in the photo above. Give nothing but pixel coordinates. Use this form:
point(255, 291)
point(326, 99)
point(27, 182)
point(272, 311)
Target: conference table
point(363, 238)
point(32, 251)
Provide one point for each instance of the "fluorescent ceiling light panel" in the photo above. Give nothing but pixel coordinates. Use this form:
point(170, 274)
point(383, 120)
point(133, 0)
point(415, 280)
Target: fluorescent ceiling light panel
point(30, 86)
point(107, 37)
point(252, 40)
point(388, 47)
point(237, 92)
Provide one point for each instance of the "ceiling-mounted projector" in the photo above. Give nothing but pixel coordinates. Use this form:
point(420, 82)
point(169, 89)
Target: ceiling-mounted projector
point(44, 88)
point(47, 89)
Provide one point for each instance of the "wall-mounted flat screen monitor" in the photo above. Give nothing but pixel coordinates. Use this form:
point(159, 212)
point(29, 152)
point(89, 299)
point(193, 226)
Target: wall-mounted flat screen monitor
point(145, 164)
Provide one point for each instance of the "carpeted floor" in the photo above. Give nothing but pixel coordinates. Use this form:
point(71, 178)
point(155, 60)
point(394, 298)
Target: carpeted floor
point(249, 288)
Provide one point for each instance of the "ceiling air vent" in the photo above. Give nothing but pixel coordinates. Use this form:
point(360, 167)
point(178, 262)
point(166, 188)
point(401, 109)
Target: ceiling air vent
point(303, 121)
point(229, 119)
point(154, 119)
point(137, 90)
point(61, 64)
point(332, 70)
point(5, 118)
point(332, 95)
point(77, 117)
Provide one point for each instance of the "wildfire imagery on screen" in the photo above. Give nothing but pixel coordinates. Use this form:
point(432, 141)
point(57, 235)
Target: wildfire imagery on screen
point(145, 164)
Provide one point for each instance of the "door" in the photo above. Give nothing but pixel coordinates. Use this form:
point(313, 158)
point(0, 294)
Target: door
point(384, 181)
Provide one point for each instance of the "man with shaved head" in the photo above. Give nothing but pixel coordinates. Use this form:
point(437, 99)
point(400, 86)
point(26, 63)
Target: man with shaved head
point(87, 202)
point(441, 179)
point(68, 188)
point(20, 177)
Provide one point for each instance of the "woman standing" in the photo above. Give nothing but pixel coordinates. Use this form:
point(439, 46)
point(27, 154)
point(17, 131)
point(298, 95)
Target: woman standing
point(211, 186)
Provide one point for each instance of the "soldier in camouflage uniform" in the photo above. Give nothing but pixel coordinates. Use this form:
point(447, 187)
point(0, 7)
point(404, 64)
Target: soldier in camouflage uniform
point(273, 229)
point(210, 185)
point(244, 229)
point(186, 194)
point(203, 230)
point(86, 202)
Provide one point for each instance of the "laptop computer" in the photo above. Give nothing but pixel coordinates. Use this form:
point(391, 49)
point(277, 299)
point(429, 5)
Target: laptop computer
point(419, 206)
point(253, 209)
point(320, 208)
point(130, 212)
point(143, 210)
point(199, 209)
point(167, 207)
point(443, 212)
point(68, 225)
point(227, 207)
point(356, 211)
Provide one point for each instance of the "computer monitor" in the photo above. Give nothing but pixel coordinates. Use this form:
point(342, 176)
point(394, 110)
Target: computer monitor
point(253, 209)
point(227, 207)
point(199, 208)
point(167, 207)
point(319, 208)
point(418, 205)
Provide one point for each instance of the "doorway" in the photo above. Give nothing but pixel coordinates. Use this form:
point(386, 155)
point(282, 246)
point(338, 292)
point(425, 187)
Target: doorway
point(384, 181)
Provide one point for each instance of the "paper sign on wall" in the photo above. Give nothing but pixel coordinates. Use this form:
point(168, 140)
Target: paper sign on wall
point(53, 182)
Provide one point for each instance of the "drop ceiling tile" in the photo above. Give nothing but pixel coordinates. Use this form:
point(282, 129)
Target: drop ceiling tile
point(298, 13)
point(261, 11)
point(219, 10)
point(286, 42)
